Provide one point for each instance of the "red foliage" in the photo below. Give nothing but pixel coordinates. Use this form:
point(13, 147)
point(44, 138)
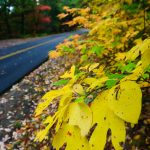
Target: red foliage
point(45, 20)
point(43, 7)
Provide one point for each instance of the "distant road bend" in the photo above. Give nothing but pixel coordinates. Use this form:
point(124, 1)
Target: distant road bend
point(17, 61)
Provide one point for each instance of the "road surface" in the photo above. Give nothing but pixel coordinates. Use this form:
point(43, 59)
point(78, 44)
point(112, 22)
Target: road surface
point(19, 60)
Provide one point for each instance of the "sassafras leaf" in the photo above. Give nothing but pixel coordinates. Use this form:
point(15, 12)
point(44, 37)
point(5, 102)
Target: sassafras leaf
point(80, 115)
point(125, 101)
point(71, 136)
point(105, 119)
point(48, 98)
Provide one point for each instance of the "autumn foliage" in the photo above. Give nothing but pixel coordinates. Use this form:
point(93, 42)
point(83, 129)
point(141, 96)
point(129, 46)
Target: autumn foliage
point(102, 93)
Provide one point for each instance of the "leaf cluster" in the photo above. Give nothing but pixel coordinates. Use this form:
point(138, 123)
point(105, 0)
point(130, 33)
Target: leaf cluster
point(102, 92)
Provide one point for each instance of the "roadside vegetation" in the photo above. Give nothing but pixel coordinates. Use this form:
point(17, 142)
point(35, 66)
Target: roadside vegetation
point(99, 100)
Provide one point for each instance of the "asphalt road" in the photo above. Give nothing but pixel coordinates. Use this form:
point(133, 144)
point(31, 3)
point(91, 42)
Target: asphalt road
point(19, 60)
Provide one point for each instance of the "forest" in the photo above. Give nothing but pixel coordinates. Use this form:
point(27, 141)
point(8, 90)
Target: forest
point(27, 18)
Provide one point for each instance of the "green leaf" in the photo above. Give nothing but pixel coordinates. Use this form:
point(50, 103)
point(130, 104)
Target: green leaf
point(147, 69)
point(119, 66)
point(97, 50)
point(68, 49)
point(113, 79)
point(116, 76)
point(80, 99)
point(84, 57)
point(84, 50)
point(114, 44)
point(145, 76)
point(128, 68)
point(133, 8)
point(61, 82)
point(79, 75)
point(111, 83)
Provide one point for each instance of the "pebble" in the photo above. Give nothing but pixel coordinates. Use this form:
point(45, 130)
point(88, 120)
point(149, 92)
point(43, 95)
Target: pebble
point(2, 146)
point(1, 112)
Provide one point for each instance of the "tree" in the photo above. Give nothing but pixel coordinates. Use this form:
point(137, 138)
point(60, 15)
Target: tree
point(5, 16)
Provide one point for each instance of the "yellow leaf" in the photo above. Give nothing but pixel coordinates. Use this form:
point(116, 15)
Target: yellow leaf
point(89, 80)
point(105, 119)
point(133, 53)
point(95, 82)
point(80, 115)
point(100, 82)
point(93, 66)
point(65, 99)
point(100, 71)
point(138, 41)
point(62, 15)
point(42, 134)
point(98, 137)
point(145, 46)
point(50, 120)
point(54, 54)
point(48, 98)
point(144, 84)
point(71, 136)
point(69, 74)
point(78, 89)
point(128, 1)
point(125, 101)
point(120, 56)
point(142, 48)
point(118, 131)
point(146, 58)
point(62, 116)
point(46, 148)
point(85, 67)
point(66, 8)
point(136, 73)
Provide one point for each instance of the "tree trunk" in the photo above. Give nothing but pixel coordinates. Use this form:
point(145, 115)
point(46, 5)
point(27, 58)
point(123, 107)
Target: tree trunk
point(6, 20)
point(22, 23)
